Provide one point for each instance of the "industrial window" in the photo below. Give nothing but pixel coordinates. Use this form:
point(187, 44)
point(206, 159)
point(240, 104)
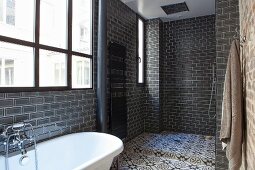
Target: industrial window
point(45, 45)
point(140, 51)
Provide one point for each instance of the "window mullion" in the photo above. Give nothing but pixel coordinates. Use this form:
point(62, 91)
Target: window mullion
point(69, 55)
point(37, 36)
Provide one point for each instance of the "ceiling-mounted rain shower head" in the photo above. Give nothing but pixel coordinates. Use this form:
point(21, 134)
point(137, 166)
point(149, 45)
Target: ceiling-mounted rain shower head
point(175, 8)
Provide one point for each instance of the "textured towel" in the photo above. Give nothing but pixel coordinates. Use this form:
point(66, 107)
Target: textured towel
point(232, 112)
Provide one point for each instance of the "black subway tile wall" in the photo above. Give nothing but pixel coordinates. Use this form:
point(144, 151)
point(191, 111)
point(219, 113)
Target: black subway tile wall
point(189, 54)
point(227, 20)
point(161, 74)
point(153, 58)
point(53, 113)
point(179, 76)
point(122, 29)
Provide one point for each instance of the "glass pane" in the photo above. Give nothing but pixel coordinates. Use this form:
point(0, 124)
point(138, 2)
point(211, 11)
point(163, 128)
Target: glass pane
point(9, 72)
point(53, 23)
point(140, 51)
point(53, 69)
point(10, 12)
point(16, 65)
point(82, 26)
point(1, 11)
point(81, 72)
point(17, 19)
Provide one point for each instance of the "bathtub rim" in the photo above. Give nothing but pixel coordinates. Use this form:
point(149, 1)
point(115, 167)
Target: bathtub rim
point(110, 154)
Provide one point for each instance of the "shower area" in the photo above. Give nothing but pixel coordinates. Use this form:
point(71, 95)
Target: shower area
point(179, 112)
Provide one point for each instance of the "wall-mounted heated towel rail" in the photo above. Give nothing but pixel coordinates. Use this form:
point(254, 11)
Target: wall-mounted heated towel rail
point(118, 101)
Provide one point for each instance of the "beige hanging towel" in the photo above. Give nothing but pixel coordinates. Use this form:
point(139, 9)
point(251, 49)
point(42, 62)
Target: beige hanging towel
point(231, 132)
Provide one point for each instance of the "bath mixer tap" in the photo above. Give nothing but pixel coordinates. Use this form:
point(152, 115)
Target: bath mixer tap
point(15, 135)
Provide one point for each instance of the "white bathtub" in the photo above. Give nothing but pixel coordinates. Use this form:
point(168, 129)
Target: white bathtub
point(79, 151)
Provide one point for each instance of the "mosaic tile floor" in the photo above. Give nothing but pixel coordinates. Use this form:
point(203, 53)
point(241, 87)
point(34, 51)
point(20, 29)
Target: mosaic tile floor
point(168, 151)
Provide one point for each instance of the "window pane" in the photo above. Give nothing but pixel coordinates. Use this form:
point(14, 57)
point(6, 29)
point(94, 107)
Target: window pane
point(1, 11)
point(81, 72)
point(10, 12)
point(17, 19)
point(9, 72)
point(82, 26)
point(140, 51)
point(53, 69)
point(16, 65)
point(53, 23)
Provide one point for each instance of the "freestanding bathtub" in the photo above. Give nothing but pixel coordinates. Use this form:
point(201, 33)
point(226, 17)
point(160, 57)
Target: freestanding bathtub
point(78, 151)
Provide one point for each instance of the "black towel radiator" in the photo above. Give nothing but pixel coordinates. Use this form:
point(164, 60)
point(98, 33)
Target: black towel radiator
point(118, 101)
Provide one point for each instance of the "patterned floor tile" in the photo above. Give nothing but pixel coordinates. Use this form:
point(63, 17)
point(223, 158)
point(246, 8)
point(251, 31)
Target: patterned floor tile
point(169, 151)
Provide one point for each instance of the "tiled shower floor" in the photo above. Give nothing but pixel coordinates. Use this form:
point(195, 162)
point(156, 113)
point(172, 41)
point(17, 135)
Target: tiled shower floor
point(169, 151)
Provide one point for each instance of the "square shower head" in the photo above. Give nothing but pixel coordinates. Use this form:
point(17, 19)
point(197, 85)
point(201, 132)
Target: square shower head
point(175, 8)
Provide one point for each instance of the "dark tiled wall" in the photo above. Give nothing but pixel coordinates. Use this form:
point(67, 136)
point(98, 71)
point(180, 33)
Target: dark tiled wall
point(53, 113)
point(161, 73)
point(189, 49)
point(227, 20)
point(122, 28)
point(153, 54)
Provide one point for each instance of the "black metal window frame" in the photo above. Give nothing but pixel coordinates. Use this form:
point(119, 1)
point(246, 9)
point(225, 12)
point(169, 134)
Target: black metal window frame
point(37, 46)
point(137, 50)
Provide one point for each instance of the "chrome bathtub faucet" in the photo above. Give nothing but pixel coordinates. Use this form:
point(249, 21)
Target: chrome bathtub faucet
point(15, 135)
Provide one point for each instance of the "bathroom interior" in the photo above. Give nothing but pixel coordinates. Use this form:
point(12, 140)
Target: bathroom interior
point(126, 84)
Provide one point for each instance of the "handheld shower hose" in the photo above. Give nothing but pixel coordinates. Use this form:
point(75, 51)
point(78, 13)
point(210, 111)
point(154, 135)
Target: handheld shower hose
point(212, 92)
